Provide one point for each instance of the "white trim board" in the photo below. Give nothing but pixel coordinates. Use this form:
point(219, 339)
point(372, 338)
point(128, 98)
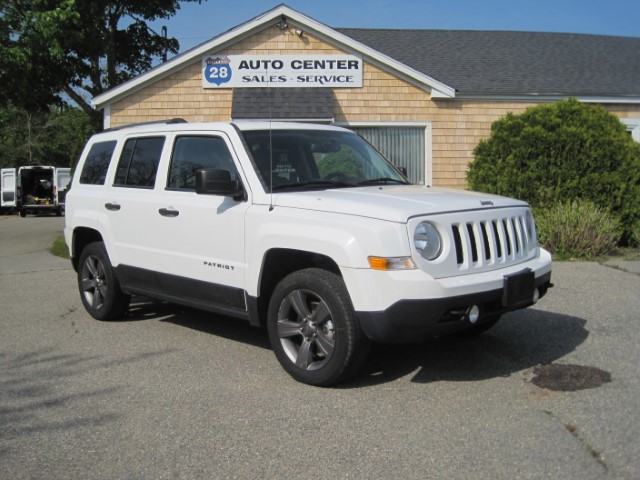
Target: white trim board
point(295, 19)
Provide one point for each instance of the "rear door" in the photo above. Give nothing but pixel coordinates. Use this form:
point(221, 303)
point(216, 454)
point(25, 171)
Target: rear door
point(8, 187)
point(61, 178)
point(128, 212)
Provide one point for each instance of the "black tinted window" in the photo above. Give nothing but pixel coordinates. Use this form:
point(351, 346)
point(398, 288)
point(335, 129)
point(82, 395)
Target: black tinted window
point(191, 153)
point(138, 163)
point(95, 167)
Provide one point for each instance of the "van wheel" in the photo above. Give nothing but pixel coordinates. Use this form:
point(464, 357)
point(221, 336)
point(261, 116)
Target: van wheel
point(99, 288)
point(23, 213)
point(313, 329)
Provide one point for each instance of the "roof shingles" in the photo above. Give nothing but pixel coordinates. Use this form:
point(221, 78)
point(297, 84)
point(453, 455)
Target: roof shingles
point(514, 63)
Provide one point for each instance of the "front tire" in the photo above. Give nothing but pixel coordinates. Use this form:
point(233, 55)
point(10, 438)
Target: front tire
point(313, 329)
point(99, 288)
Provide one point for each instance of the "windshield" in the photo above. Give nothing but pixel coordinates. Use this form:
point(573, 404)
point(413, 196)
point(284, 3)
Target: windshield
point(317, 159)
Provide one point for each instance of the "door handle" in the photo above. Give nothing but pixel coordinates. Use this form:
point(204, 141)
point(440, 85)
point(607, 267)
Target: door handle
point(166, 212)
point(112, 206)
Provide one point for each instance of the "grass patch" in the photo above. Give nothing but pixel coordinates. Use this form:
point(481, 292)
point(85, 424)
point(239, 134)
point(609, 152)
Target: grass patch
point(626, 254)
point(59, 248)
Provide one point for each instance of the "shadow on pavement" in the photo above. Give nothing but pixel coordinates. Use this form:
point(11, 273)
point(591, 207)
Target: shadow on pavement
point(222, 326)
point(521, 340)
point(35, 397)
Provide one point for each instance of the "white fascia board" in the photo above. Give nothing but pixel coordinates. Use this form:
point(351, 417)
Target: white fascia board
point(535, 98)
point(180, 61)
point(437, 89)
point(106, 117)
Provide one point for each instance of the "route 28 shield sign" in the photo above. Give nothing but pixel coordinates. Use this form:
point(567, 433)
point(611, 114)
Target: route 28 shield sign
point(217, 70)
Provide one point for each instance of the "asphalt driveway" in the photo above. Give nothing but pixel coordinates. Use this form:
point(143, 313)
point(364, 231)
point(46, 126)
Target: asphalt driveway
point(175, 393)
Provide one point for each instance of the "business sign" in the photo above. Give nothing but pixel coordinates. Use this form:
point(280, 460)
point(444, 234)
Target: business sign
point(242, 71)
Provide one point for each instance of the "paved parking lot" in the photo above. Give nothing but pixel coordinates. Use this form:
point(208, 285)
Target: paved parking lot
point(174, 393)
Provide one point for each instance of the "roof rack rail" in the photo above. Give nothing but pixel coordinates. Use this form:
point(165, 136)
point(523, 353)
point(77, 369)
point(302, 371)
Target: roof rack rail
point(130, 125)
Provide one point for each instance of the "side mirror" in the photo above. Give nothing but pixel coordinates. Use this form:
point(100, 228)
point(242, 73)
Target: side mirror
point(215, 181)
point(402, 170)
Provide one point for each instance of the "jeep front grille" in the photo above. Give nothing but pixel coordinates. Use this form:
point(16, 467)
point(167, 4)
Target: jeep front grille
point(495, 241)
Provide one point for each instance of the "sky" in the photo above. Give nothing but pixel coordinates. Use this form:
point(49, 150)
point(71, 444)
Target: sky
point(195, 24)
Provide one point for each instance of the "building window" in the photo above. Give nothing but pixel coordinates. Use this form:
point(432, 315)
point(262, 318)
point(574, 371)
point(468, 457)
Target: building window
point(633, 127)
point(404, 146)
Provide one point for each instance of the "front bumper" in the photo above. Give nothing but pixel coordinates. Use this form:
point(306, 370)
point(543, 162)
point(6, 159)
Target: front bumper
point(415, 320)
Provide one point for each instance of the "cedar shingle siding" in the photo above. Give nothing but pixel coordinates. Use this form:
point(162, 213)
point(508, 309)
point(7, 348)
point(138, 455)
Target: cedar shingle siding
point(493, 73)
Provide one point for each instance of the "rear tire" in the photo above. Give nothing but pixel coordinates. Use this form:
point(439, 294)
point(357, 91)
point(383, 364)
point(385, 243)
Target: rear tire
point(99, 288)
point(313, 329)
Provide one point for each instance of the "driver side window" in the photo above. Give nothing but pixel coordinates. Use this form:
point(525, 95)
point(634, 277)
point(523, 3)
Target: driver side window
point(192, 153)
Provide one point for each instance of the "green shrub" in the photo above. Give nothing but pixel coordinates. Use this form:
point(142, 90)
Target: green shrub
point(561, 152)
point(577, 229)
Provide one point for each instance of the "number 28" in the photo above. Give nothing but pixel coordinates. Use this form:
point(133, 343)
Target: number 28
point(218, 72)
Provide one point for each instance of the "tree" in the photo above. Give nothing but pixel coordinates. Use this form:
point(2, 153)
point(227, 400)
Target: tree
point(79, 48)
point(559, 153)
point(55, 137)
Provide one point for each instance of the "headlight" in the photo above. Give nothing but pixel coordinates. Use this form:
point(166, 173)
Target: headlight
point(427, 240)
point(531, 229)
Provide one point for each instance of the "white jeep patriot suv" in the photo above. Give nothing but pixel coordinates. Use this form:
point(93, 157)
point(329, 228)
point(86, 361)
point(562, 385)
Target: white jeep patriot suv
point(305, 229)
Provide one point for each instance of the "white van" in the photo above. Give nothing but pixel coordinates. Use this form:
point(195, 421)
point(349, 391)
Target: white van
point(35, 189)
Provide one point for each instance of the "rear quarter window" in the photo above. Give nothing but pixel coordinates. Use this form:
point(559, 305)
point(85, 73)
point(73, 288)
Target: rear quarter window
point(94, 171)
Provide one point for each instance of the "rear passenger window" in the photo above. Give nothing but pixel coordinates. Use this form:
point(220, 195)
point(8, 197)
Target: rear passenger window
point(94, 171)
point(191, 153)
point(138, 163)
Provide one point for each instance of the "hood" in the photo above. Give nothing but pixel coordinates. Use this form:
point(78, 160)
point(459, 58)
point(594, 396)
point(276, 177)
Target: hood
point(396, 203)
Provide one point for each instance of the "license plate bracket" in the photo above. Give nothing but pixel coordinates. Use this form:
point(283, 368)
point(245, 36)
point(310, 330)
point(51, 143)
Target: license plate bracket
point(518, 288)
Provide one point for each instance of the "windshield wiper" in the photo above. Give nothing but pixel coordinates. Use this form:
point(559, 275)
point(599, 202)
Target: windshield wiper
point(312, 183)
point(383, 181)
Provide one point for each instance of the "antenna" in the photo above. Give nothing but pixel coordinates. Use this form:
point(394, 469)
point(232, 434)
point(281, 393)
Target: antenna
point(270, 146)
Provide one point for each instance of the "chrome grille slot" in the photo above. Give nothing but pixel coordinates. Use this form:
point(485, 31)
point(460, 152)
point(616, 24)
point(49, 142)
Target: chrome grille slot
point(485, 241)
point(496, 238)
point(507, 237)
point(517, 234)
point(457, 239)
point(472, 242)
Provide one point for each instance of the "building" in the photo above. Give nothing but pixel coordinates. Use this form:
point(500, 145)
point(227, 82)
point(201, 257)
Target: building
point(425, 98)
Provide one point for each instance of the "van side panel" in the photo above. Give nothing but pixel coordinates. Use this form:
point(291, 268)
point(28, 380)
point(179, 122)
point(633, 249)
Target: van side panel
point(8, 187)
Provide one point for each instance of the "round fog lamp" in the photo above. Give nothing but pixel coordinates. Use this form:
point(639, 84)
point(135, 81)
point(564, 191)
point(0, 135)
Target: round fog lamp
point(536, 295)
point(473, 314)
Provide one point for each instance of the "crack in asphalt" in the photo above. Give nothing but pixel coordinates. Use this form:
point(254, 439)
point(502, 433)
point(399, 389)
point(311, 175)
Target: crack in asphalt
point(573, 430)
point(62, 269)
point(620, 268)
